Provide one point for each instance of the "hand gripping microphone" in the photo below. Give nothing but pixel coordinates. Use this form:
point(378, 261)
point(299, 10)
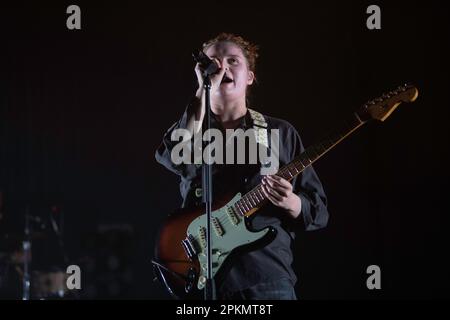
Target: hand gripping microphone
point(208, 66)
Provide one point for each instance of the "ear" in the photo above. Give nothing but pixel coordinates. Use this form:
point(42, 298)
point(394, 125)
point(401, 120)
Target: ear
point(251, 78)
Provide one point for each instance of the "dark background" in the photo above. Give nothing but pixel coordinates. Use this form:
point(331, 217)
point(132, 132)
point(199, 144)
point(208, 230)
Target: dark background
point(82, 112)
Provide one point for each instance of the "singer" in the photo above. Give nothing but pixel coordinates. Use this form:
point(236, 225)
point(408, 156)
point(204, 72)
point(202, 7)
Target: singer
point(265, 272)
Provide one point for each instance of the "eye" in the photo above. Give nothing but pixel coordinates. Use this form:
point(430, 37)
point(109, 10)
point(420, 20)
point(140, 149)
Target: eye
point(233, 61)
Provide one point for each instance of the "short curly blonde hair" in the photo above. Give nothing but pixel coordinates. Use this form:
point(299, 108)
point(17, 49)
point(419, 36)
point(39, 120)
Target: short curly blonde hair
point(249, 49)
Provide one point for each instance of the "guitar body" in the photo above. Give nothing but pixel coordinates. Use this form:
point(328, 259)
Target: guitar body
point(180, 250)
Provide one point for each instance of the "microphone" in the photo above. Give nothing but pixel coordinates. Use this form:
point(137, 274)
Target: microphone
point(208, 66)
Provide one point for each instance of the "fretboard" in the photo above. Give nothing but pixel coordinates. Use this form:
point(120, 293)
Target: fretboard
point(255, 199)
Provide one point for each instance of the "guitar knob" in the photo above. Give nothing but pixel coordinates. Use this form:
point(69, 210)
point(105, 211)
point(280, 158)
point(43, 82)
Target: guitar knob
point(190, 280)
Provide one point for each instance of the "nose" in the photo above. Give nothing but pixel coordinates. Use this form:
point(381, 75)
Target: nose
point(222, 62)
point(226, 64)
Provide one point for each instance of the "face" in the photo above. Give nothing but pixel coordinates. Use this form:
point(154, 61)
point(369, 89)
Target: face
point(231, 56)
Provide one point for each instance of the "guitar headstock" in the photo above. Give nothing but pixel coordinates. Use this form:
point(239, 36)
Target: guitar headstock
point(382, 107)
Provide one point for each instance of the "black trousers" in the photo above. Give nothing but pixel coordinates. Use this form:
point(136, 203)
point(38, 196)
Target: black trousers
point(274, 290)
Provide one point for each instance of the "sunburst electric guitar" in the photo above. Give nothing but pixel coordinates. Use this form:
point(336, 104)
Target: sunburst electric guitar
point(180, 253)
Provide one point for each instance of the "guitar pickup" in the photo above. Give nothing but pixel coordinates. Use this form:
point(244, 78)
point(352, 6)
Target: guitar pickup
point(232, 216)
point(218, 227)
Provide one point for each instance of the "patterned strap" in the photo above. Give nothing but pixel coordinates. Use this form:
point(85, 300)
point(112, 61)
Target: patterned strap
point(260, 127)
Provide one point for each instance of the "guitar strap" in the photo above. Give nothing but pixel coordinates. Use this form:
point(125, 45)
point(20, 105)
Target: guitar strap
point(260, 127)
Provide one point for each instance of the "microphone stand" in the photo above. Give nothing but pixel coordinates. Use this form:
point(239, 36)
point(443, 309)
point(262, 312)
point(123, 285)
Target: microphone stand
point(207, 191)
point(26, 246)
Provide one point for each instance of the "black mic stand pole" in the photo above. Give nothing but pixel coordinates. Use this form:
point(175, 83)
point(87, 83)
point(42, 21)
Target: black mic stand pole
point(26, 246)
point(207, 191)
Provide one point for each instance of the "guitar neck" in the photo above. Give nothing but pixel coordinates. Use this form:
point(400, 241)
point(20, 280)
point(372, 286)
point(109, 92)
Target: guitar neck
point(255, 199)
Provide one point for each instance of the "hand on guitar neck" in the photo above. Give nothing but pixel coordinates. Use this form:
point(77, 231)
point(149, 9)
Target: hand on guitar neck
point(279, 191)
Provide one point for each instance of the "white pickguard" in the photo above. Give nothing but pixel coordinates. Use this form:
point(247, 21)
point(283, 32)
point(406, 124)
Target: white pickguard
point(227, 234)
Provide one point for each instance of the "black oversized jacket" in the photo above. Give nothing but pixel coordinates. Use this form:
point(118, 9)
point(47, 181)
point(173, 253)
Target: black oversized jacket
point(273, 261)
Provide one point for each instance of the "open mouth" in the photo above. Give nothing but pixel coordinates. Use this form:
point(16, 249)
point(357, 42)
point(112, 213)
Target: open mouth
point(226, 79)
